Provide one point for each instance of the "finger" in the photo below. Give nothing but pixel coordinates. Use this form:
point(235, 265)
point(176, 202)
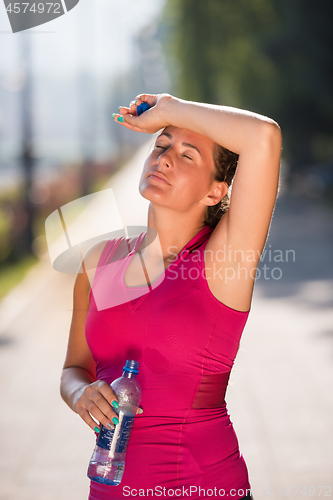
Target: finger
point(109, 421)
point(135, 129)
point(125, 123)
point(123, 110)
point(87, 418)
point(137, 101)
point(133, 109)
point(118, 117)
point(134, 122)
point(108, 394)
point(104, 406)
point(149, 98)
point(139, 411)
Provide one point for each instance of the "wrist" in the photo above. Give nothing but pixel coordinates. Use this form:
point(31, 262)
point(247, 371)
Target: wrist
point(179, 113)
point(168, 109)
point(75, 396)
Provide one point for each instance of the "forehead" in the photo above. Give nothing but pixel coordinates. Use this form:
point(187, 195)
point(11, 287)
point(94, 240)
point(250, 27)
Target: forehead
point(184, 135)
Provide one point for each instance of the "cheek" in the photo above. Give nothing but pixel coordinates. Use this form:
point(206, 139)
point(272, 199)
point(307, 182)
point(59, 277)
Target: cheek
point(145, 169)
point(195, 182)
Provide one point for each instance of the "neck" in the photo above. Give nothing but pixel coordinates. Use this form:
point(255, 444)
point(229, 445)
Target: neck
point(173, 231)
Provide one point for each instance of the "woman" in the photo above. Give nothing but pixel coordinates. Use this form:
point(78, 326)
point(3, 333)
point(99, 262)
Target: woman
point(185, 332)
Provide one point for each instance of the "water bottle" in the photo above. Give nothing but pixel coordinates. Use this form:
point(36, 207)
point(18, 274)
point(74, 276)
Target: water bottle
point(107, 463)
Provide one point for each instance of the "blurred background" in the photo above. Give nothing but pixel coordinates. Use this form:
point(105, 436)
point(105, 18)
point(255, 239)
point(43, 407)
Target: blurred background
point(59, 85)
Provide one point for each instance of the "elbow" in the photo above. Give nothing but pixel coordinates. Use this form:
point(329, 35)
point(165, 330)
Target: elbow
point(273, 130)
point(271, 136)
point(62, 385)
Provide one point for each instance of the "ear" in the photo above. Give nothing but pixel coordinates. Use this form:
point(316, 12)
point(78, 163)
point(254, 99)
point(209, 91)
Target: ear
point(217, 192)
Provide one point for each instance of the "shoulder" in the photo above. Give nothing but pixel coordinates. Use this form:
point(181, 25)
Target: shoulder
point(93, 255)
point(102, 253)
point(86, 274)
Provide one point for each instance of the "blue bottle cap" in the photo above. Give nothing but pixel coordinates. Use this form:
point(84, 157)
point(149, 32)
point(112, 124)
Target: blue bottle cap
point(131, 366)
point(142, 108)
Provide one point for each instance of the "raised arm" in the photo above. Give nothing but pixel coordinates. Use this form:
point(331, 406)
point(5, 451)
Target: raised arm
point(257, 140)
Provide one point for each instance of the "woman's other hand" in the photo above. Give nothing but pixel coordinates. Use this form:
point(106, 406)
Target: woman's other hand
point(79, 388)
point(149, 122)
point(97, 400)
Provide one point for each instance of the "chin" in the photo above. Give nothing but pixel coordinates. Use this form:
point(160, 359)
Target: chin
point(151, 193)
point(155, 199)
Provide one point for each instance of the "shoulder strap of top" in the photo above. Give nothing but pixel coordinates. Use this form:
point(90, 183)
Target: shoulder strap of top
point(108, 251)
point(106, 256)
point(119, 248)
point(200, 238)
point(115, 250)
point(193, 244)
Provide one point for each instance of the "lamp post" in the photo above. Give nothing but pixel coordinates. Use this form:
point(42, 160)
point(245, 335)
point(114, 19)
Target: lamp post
point(25, 239)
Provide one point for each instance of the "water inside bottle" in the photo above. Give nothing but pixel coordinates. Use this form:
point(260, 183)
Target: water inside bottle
point(107, 473)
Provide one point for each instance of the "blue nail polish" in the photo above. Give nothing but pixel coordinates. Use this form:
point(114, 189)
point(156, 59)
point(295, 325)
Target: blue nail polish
point(96, 429)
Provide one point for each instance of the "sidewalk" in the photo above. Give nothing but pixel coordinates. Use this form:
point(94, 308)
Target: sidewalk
point(279, 396)
point(45, 447)
point(281, 403)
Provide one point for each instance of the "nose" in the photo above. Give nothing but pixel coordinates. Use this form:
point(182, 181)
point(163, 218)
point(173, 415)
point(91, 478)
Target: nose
point(165, 159)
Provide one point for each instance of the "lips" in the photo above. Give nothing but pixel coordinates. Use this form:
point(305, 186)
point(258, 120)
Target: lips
point(159, 175)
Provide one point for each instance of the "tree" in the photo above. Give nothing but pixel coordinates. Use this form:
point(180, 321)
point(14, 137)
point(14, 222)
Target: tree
point(269, 56)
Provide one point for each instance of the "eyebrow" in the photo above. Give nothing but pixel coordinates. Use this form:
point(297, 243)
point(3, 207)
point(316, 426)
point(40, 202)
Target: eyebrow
point(183, 143)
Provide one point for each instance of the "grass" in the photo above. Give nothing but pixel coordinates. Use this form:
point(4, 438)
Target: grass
point(13, 274)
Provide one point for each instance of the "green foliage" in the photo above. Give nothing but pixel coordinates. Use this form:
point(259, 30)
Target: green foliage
point(5, 222)
point(269, 56)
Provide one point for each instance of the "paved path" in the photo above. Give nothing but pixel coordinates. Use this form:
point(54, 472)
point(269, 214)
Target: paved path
point(280, 393)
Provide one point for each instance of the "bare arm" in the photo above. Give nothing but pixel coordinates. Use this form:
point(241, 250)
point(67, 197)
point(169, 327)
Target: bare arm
point(257, 140)
point(79, 388)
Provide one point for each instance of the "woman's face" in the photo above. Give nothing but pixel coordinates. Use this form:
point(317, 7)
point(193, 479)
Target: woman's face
point(178, 173)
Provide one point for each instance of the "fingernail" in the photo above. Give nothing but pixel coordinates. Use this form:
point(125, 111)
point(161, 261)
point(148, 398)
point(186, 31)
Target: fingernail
point(96, 429)
point(140, 410)
point(120, 119)
point(136, 101)
point(115, 420)
point(115, 404)
point(113, 115)
point(119, 108)
point(109, 425)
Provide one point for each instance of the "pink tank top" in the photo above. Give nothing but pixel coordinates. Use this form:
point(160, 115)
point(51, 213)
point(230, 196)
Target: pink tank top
point(186, 342)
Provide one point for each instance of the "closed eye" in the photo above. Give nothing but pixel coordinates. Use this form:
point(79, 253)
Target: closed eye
point(165, 148)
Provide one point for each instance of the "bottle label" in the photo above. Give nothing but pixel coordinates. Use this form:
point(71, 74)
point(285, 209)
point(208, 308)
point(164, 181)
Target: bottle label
point(117, 438)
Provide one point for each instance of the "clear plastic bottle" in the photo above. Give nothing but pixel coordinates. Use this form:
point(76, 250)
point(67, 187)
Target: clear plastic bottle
point(107, 463)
